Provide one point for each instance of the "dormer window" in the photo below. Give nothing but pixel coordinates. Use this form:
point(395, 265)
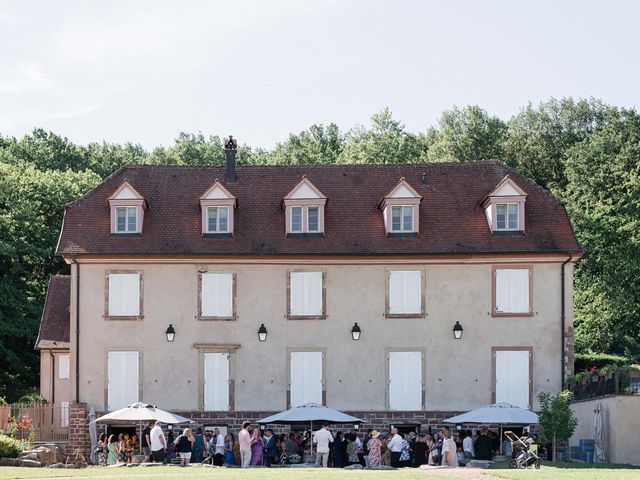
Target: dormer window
point(400, 210)
point(304, 210)
point(217, 206)
point(504, 207)
point(127, 210)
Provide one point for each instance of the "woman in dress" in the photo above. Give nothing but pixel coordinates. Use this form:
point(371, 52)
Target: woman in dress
point(449, 454)
point(102, 450)
point(430, 447)
point(171, 447)
point(375, 450)
point(338, 457)
point(256, 447)
point(198, 446)
point(229, 442)
point(405, 452)
point(352, 451)
point(112, 456)
point(420, 451)
point(122, 449)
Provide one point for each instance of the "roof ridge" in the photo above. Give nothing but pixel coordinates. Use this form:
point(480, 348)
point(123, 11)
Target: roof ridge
point(326, 165)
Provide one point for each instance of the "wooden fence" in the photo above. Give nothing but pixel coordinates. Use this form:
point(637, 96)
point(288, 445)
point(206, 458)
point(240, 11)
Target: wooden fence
point(40, 422)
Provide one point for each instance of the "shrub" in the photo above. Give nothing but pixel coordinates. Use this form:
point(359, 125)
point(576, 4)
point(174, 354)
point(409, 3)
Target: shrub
point(30, 398)
point(3, 401)
point(584, 361)
point(10, 447)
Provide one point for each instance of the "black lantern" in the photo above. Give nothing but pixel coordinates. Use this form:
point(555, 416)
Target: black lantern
point(355, 331)
point(457, 331)
point(171, 333)
point(262, 333)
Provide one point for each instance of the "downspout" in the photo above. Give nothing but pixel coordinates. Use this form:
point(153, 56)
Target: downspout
point(563, 319)
point(52, 359)
point(75, 262)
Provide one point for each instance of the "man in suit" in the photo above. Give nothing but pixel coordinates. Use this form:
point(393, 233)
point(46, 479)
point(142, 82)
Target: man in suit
point(270, 450)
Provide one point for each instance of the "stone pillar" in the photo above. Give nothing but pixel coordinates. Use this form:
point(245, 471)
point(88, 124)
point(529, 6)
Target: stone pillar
point(79, 438)
point(569, 353)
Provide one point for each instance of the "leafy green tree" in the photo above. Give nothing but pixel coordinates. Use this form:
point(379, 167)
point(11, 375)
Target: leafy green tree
point(466, 135)
point(603, 193)
point(538, 138)
point(386, 141)
point(557, 420)
point(317, 146)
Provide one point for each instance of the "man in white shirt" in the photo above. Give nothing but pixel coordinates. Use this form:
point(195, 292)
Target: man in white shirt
point(322, 438)
point(395, 447)
point(158, 443)
point(216, 447)
point(467, 446)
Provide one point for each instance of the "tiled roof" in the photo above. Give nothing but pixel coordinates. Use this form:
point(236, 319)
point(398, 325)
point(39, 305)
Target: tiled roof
point(55, 323)
point(451, 218)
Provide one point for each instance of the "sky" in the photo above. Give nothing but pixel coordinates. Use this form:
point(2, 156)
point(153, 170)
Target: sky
point(143, 71)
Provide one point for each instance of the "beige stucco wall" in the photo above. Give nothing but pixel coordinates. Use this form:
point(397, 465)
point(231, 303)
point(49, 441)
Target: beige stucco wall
point(53, 388)
point(457, 373)
point(621, 426)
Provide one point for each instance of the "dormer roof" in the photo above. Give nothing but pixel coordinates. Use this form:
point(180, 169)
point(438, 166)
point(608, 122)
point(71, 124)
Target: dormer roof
point(305, 190)
point(217, 192)
point(506, 188)
point(403, 190)
point(126, 192)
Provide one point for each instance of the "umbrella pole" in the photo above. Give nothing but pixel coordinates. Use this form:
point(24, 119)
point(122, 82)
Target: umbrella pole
point(312, 438)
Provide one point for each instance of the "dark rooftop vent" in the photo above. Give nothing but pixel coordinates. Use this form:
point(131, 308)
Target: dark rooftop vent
point(230, 149)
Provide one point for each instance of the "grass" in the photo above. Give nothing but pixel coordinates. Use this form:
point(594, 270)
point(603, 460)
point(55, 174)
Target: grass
point(569, 471)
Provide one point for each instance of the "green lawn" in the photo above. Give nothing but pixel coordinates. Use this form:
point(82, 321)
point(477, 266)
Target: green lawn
point(570, 471)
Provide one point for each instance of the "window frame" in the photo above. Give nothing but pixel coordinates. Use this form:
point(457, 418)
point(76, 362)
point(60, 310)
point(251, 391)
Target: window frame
point(322, 350)
point(127, 209)
point(302, 211)
point(58, 358)
point(317, 208)
point(115, 349)
point(387, 373)
point(234, 295)
point(494, 281)
point(493, 370)
point(422, 313)
point(516, 205)
point(107, 315)
point(217, 231)
point(228, 348)
point(322, 316)
point(402, 226)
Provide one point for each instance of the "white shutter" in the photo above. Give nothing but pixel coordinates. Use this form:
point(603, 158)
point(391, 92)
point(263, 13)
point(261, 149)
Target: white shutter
point(64, 414)
point(123, 379)
point(405, 291)
point(512, 290)
point(217, 294)
point(124, 294)
point(512, 377)
point(306, 378)
point(306, 293)
point(216, 381)
point(405, 380)
point(63, 366)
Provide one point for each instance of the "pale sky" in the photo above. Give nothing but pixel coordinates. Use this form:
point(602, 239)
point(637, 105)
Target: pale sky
point(142, 71)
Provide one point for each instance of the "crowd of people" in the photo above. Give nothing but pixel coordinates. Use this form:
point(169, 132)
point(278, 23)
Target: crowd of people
point(257, 447)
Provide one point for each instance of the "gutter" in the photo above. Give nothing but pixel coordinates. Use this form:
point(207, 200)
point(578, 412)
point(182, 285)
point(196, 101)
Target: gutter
point(563, 319)
point(75, 262)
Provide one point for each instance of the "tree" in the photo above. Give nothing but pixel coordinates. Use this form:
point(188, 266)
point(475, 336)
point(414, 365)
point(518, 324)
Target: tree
point(603, 192)
point(319, 145)
point(466, 135)
point(386, 141)
point(557, 420)
point(538, 138)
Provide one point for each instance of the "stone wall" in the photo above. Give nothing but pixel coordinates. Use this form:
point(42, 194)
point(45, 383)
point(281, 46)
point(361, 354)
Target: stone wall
point(79, 438)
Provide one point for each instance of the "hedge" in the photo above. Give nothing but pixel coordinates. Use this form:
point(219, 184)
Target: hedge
point(10, 447)
point(584, 361)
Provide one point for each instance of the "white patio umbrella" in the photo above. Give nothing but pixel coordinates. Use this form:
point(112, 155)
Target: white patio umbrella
point(93, 433)
point(310, 413)
point(598, 452)
point(140, 413)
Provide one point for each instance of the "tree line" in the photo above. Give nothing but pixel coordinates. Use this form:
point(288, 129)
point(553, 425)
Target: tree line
point(584, 151)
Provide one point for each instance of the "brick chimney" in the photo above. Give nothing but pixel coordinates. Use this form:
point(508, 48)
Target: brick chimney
point(230, 149)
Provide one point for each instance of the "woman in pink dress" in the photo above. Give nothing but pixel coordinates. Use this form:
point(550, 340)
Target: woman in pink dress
point(256, 447)
point(375, 450)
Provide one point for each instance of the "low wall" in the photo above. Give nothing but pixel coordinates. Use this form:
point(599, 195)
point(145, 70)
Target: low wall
point(621, 426)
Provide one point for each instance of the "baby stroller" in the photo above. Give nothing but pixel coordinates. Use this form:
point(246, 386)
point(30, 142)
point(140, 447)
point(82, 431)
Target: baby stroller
point(527, 457)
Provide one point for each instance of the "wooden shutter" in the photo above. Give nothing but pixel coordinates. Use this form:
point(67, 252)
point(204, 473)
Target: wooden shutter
point(512, 290)
point(306, 293)
point(63, 366)
point(512, 377)
point(64, 414)
point(217, 295)
point(405, 380)
point(124, 294)
point(306, 378)
point(405, 292)
point(122, 379)
point(216, 381)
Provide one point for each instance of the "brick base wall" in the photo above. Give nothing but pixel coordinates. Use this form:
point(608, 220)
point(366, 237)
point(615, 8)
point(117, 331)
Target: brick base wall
point(79, 438)
point(569, 352)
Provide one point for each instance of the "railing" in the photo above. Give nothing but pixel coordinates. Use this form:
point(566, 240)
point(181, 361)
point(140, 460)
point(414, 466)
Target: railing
point(618, 383)
point(38, 422)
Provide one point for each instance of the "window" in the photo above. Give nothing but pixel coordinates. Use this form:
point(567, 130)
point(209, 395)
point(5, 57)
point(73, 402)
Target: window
point(217, 219)
point(306, 380)
point(124, 295)
point(126, 219)
point(402, 218)
point(507, 216)
point(512, 376)
point(63, 366)
point(122, 379)
point(216, 381)
point(404, 293)
point(405, 380)
point(512, 291)
point(217, 295)
point(296, 219)
point(313, 215)
point(306, 294)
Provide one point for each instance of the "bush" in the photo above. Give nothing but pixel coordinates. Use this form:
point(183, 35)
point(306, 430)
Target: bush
point(10, 447)
point(585, 361)
point(3, 401)
point(30, 398)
